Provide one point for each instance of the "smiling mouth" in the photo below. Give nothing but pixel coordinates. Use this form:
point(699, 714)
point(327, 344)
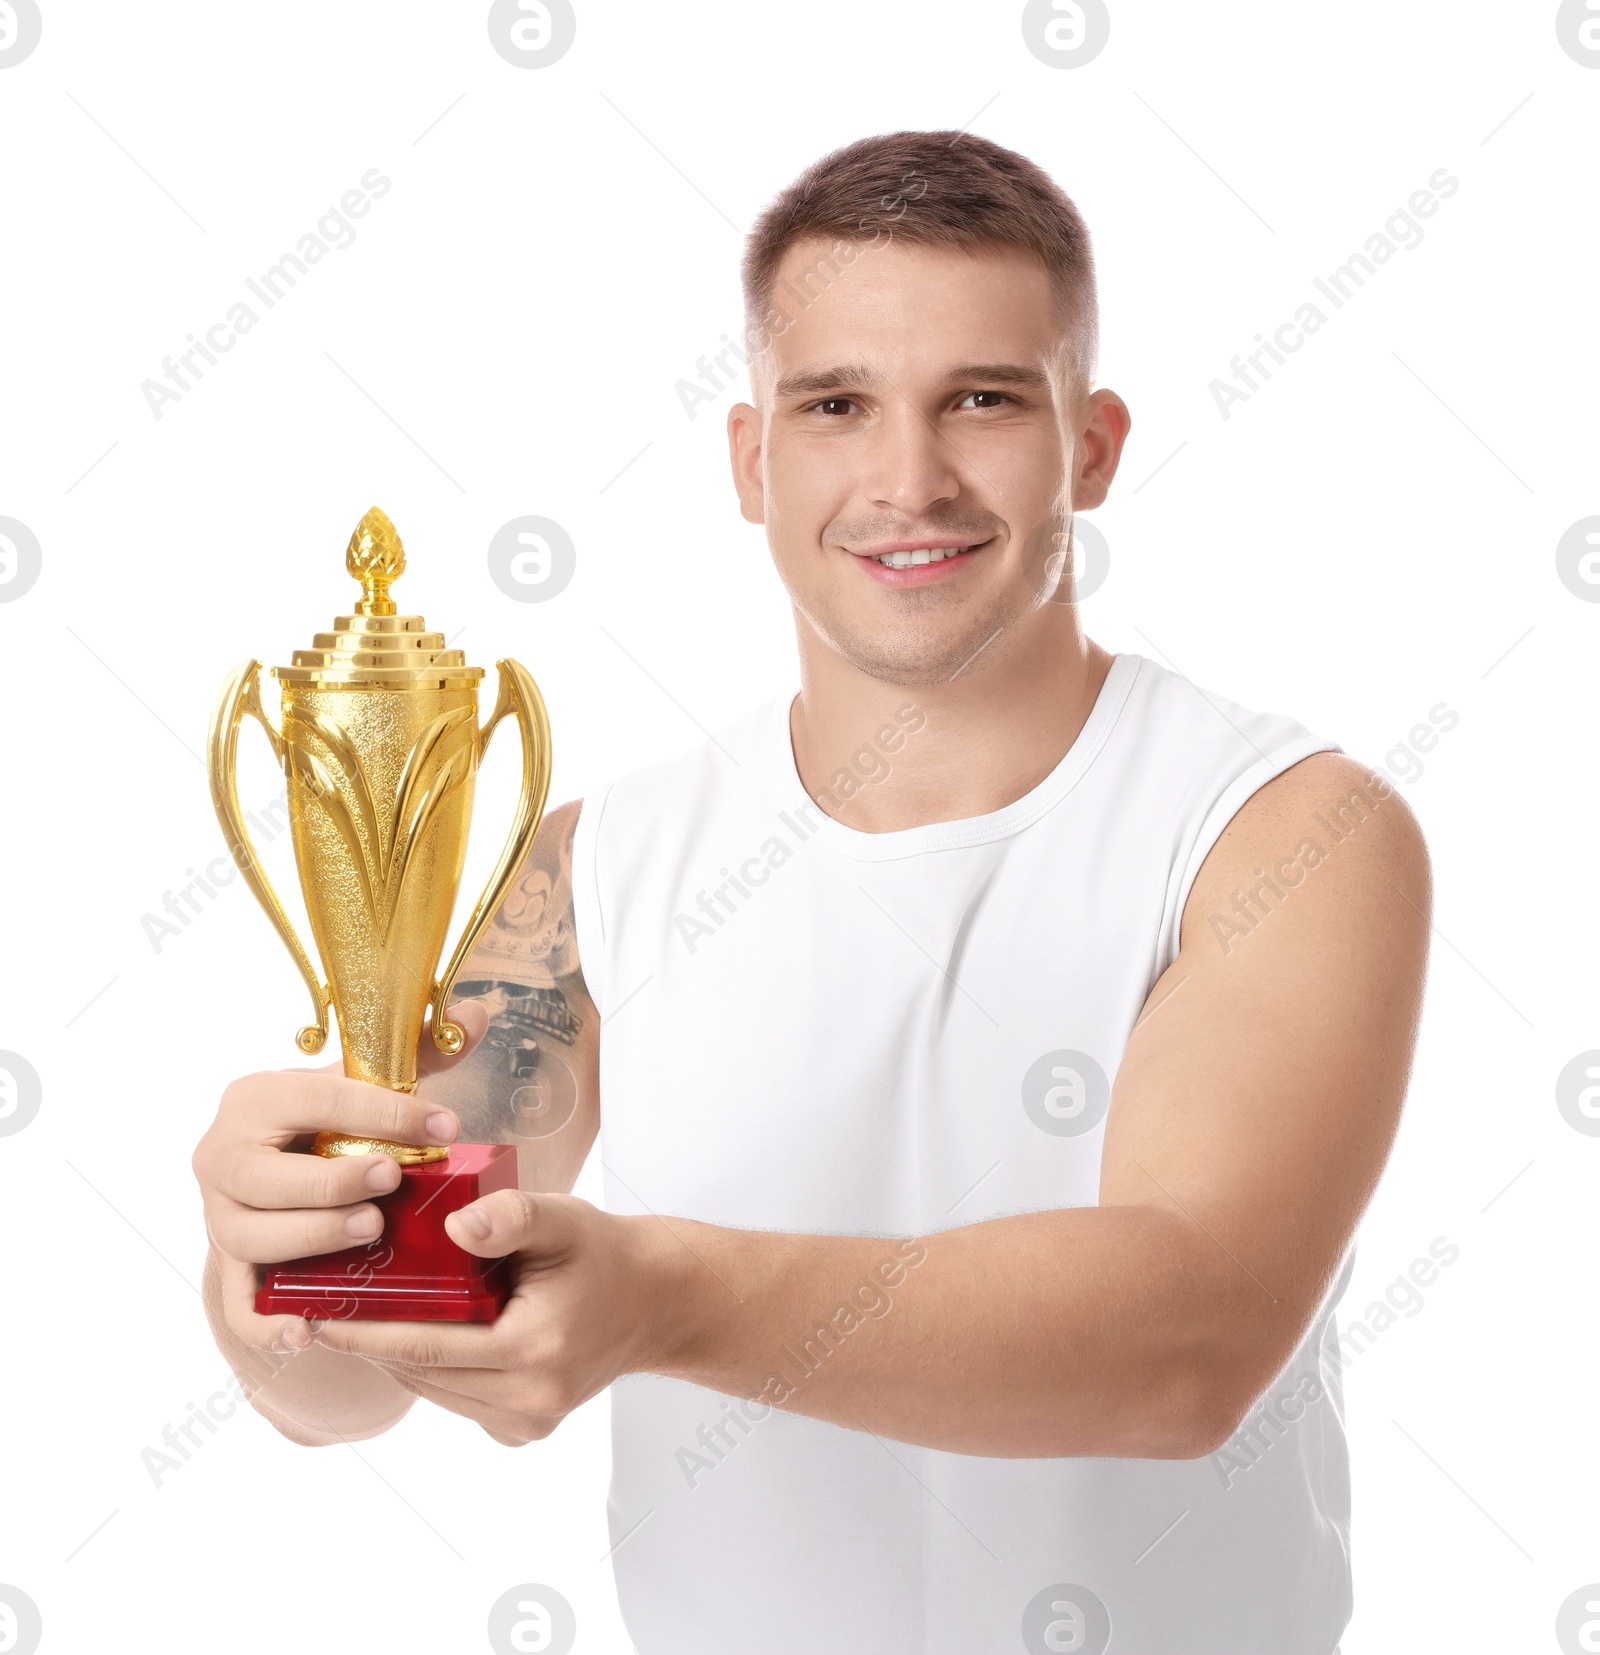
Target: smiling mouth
point(923, 554)
point(915, 557)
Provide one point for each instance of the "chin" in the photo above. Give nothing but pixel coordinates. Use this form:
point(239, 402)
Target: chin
point(913, 658)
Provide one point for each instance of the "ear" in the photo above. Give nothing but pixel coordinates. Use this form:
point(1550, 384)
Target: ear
point(744, 455)
point(1106, 423)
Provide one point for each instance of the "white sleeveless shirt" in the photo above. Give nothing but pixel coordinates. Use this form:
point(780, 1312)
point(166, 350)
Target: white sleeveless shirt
point(809, 1028)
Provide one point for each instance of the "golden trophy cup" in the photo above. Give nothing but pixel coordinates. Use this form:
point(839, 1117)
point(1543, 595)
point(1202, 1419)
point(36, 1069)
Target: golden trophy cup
point(380, 746)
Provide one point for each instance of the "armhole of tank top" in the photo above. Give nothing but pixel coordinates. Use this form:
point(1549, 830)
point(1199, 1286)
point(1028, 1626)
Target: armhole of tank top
point(1228, 805)
point(588, 919)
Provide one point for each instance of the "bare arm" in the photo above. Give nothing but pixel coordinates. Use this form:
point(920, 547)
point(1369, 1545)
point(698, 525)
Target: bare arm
point(528, 1078)
point(1252, 1114)
point(533, 1080)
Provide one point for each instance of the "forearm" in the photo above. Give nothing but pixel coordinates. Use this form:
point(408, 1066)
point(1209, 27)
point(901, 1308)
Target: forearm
point(1088, 1331)
point(314, 1396)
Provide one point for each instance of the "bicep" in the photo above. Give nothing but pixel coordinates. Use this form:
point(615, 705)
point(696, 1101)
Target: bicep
point(1260, 1090)
point(533, 1080)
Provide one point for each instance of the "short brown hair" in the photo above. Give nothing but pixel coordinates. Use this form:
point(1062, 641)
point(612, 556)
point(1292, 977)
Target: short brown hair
point(974, 194)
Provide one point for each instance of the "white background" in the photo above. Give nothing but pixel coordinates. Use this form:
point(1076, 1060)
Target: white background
point(1363, 540)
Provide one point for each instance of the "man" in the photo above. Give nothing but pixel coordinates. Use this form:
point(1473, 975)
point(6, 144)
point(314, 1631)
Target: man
point(1000, 1041)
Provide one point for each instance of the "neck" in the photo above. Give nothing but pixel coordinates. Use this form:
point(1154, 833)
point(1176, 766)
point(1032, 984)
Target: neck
point(880, 756)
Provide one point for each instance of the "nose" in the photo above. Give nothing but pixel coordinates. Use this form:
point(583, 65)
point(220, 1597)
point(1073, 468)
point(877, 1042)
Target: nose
point(911, 468)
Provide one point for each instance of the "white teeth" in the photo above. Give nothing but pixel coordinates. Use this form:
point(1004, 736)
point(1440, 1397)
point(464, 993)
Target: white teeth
point(923, 554)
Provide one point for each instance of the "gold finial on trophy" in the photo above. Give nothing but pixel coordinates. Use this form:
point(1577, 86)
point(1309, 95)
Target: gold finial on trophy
point(375, 557)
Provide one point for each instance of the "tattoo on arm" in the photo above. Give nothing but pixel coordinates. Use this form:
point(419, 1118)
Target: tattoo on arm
point(520, 1081)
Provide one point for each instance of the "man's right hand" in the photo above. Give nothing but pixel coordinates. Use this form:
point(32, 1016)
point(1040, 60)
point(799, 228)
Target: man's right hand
point(267, 1201)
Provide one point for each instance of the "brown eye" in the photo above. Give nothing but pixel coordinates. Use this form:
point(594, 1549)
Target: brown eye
point(984, 399)
point(835, 406)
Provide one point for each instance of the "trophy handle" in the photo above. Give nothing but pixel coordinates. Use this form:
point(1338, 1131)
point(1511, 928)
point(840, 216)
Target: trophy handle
point(241, 694)
point(519, 698)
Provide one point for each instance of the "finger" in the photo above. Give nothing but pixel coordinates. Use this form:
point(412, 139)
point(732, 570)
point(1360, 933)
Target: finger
point(512, 1221)
point(519, 1393)
point(278, 1107)
point(514, 1430)
point(473, 1018)
point(416, 1344)
point(491, 1387)
point(256, 1236)
point(256, 1175)
point(282, 1335)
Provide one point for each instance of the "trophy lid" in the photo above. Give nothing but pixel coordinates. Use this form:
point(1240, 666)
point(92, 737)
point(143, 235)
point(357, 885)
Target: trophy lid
point(376, 648)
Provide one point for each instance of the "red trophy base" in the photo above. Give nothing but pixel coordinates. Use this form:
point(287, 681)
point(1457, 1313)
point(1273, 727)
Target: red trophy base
point(413, 1272)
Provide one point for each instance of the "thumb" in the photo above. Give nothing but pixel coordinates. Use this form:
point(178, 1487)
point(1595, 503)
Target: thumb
point(472, 1016)
point(510, 1221)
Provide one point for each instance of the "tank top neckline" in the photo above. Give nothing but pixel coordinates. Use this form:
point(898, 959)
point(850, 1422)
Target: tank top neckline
point(965, 831)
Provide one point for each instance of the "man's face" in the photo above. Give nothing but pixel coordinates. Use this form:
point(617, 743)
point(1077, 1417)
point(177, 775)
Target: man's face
point(919, 445)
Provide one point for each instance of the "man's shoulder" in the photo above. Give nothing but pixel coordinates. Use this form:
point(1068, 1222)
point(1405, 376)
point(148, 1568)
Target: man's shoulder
point(1166, 706)
point(1331, 831)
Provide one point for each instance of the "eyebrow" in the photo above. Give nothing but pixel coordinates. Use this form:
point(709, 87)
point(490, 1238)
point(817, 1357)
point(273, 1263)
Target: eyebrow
point(815, 381)
point(1020, 374)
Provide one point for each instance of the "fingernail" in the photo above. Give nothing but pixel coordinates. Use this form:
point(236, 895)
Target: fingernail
point(362, 1226)
point(383, 1174)
point(476, 1222)
point(441, 1126)
point(297, 1336)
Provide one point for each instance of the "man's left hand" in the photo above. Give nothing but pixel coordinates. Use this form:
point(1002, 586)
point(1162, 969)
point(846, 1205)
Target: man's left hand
point(593, 1292)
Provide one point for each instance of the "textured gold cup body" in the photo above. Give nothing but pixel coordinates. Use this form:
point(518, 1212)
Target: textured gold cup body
point(380, 798)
